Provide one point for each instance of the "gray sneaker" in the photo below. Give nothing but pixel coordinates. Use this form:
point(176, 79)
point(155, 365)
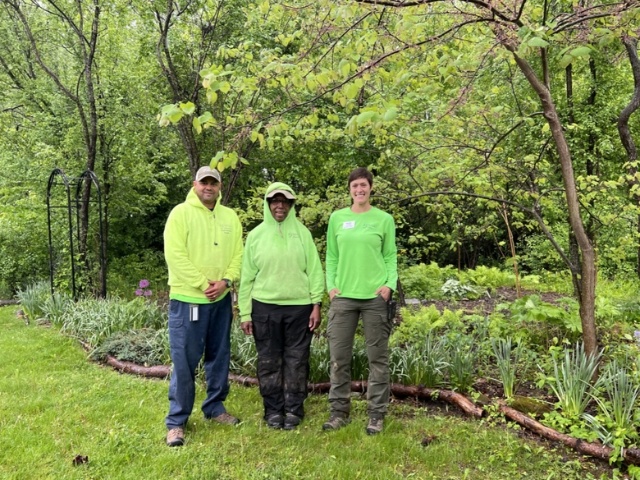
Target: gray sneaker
point(225, 419)
point(336, 422)
point(374, 426)
point(175, 437)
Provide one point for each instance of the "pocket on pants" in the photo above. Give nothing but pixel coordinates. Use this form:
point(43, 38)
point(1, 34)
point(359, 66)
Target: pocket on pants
point(176, 319)
point(261, 327)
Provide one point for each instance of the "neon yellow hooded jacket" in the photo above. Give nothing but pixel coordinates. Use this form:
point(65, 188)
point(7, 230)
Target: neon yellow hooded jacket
point(281, 265)
point(201, 245)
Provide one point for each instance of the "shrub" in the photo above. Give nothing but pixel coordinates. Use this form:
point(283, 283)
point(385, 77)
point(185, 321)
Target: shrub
point(125, 272)
point(531, 308)
point(143, 347)
point(319, 360)
point(425, 281)
point(20, 266)
point(571, 382)
point(456, 290)
point(420, 364)
point(33, 297)
point(487, 277)
point(416, 324)
point(244, 357)
point(461, 362)
point(93, 321)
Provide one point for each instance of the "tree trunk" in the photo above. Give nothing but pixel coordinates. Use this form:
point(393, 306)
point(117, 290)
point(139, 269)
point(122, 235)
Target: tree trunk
point(587, 281)
point(631, 45)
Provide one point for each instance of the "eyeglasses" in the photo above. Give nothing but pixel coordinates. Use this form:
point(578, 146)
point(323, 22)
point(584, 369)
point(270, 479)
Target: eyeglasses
point(281, 201)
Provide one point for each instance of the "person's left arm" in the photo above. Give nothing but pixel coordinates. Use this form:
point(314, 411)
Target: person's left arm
point(316, 279)
point(233, 270)
point(390, 257)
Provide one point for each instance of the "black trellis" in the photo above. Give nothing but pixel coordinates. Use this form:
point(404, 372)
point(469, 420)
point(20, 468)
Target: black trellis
point(73, 206)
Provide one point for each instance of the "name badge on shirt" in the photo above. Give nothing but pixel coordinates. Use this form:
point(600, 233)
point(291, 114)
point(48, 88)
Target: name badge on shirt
point(350, 224)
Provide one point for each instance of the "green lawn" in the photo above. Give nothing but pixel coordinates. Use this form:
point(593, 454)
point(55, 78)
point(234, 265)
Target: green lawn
point(55, 404)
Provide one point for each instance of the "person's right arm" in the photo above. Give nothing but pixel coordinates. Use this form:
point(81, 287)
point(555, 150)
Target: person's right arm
point(248, 274)
point(175, 252)
point(332, 258)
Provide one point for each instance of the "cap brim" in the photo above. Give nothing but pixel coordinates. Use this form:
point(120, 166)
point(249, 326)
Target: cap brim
point(287, 194)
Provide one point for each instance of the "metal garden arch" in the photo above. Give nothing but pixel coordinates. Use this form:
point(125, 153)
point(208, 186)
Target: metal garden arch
point(73, 206)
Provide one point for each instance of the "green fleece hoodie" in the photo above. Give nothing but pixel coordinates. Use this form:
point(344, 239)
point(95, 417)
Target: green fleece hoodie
point(201, 245)
point(281, 264)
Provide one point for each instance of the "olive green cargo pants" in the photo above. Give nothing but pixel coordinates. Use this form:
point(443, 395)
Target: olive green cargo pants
point(344, 314)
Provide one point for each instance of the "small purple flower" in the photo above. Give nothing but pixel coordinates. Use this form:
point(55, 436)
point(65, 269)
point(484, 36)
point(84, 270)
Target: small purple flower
point(144, 283)
point(636, 336)
point(147, 293)
point(139, 292)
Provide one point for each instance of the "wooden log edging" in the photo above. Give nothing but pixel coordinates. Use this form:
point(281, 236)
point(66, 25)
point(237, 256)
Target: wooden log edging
point(595, 450)
point(422, 393)
point(157, 371)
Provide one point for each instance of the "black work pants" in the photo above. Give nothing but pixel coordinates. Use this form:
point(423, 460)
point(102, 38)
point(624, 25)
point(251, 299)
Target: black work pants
point(283, 339)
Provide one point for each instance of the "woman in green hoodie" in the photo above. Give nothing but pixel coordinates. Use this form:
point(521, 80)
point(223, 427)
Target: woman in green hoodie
point(281, 286)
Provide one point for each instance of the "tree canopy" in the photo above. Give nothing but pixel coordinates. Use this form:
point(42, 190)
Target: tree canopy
point(499, 133)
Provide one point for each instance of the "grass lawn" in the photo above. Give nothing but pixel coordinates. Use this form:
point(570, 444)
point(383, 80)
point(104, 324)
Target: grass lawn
point(55, 405)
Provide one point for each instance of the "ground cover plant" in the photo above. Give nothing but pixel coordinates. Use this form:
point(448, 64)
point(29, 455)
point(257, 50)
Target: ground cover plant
point(81, 409)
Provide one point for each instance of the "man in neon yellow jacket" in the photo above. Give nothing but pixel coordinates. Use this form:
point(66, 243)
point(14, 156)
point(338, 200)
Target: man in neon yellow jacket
point(279, 298)
point(203, 250)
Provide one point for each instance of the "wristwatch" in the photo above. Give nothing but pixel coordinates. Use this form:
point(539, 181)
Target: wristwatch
point(227, 281)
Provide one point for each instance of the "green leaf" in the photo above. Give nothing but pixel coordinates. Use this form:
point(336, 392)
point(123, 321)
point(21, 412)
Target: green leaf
point(365, 117)
point(390, 114)
point(206, 119)
point(196, 124)
point(216, 158)
point(212, 96)
point(188, 108)
point(537, 42)
point(351, 91)
point(581, 51)
point(345, 67)
point(566, 60)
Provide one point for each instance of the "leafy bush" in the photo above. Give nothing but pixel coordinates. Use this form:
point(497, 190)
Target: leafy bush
point(540, 255)
point(56, 306)
point(20, 266)
point(461, 363)
point(571, 382)
point(319, 360)
point(425, 281)
point(420, 364)
point(244, 357)
point(507, 360)
point(487, 277)
point(531, 308)
point(33, 297)
point(125, 272)
point(615, 424)
point(143, 347)
point(93, 321)
point(456, 290)
point(416, 324)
